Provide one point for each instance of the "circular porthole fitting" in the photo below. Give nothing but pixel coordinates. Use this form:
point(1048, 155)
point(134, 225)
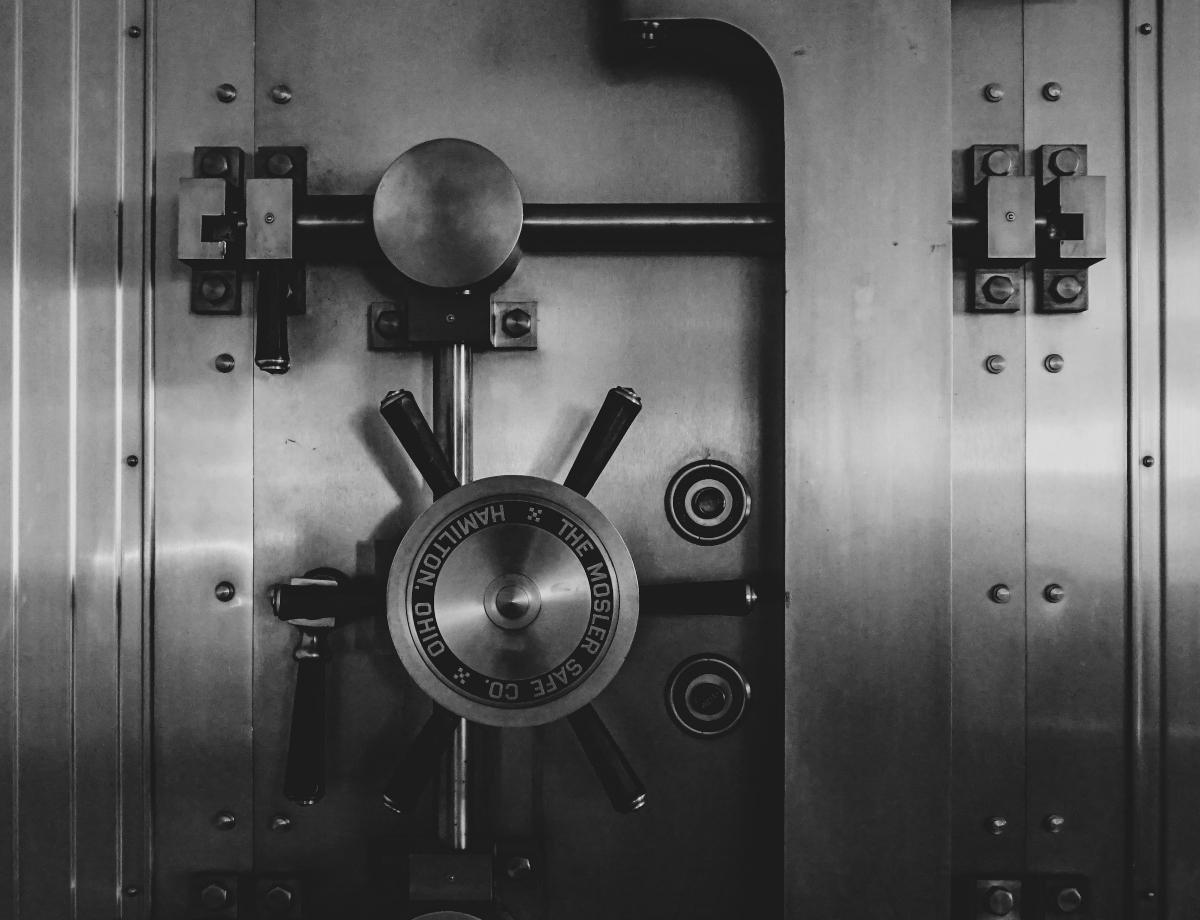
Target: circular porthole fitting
point(708, 502)
point(707, 695)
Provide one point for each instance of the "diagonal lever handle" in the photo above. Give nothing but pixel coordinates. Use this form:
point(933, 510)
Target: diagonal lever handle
point(304, 780)
point(620, 408)
point(272, 305)
point(701, 598)
point(624, 789)
point(400, 410)
point(420, 762)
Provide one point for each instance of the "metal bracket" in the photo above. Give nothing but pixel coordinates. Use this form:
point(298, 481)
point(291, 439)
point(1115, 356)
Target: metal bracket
point(211, 224)
point(419, 324)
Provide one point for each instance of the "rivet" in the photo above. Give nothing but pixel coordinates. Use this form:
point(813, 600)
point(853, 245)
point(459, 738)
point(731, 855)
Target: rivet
point(226, 92)
point(1054, 593)
point(1054, 363)
point(518, 866)
point(993, 92)
point(268, 218)
point(134, 32)
point(999, 288)
point(224, 363)
point(281, 94)
point(132, 460)
point(1149, 894)
point(224, 591)
point(214, 896)
point(995, 364)
point(1147, 461)
point(1000, 594)
point(281, 823)
point(1054, 823)
point(131, 891)
point(996, 825)
point(450, 317)
point(1010, 216)
point(224, 820)
point(1052, 91)
point(1145, 28)
point(1068, 900)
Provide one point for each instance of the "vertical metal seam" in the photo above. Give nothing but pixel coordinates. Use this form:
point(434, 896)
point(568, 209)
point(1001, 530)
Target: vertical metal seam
point(73, 451)
point(15, 430)
point(1030, 301)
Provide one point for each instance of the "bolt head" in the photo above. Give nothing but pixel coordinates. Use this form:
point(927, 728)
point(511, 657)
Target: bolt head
point(518, 866)
point(281, 94)
point(1066, 289)
point(387, 324)
point(1000, 594)
point(993, 92)
point(131, 891)
point(134, 31)
point(226, 92)
point(224, 363)
point(1054, 363)
point(132, 460)
point(280, 823)
point(450, 317)
point(224, 591)
point(997, 825)
point(214, 896)
point(278, 899)
point(214, 164)
point(999, 289)
point(214, 289)
point(1052, 91)
point(225, 820)
point(1145, 28)
point(1147, 461)
point(1055, 594)
point(1054, 823)
point(1069, 900)
point(516, 323)
point(280, 164)
point(1065, 162)
point(1000, 901)
point(995, 364)
point(997, 162)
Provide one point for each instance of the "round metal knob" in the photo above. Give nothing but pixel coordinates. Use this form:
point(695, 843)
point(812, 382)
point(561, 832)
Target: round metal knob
point(448, 214)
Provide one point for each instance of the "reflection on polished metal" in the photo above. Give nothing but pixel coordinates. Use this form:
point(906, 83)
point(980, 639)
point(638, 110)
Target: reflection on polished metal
point(513, 601)
point(447, 213)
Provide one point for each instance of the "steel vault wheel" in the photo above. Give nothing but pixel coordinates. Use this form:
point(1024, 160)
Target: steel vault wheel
point(513, 601)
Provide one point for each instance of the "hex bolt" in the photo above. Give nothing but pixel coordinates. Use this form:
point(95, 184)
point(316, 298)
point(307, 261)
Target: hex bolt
point(281, 823)
point(518, 866)
point(214, 288)
point(999, 289)
point(1145, 28)
point(1054, 823)
point(1147, 461)
point(132, 460)
point(224, 591)
point(516, 323)
point(387, 324)
point(1000, 594)
point(1000, 901)
point(214, 896)
point(1065, 162)
point(280, 164)
point(134, 31)
point(1054, 363)
point(1066, 288)
point(224, 820)
point(268, 218)
point(1052, 91)
point(226, 92)
point(1055, 594)
point(995, 364)
point(1069, 900)
point(214, 164)
point(996, 825)
point(281, 94)
point(993, 92)
point(224, 363)
point(998, 162)
point(278, 899)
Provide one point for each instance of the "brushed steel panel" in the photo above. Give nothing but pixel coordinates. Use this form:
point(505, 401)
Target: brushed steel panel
point(203, 761)
point(988, 460)
point(1076, 485)
point(1180, 31)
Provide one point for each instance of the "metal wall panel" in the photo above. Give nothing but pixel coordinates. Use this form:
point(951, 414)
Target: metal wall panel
point(71, 632)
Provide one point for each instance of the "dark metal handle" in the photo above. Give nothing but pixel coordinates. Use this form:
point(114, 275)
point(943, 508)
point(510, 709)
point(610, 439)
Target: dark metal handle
point(272, 305)
point(304, 782)
point(305, 603)
point(620, 408)
point(624, 789)
point(400, 410)
point(701, 598)
point(420, 762)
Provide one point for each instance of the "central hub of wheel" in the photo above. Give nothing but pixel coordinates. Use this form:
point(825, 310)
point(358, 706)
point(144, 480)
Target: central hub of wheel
point(512, 601)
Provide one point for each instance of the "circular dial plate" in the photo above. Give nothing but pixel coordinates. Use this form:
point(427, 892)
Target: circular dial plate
point(512, 601)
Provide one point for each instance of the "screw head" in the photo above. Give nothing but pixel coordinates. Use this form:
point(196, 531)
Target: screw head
point(134, 32)
point(268, 218)
point(1066, 289)
point(1052, 91)
point(995, 364)
point(1010, 216)
point(1065, 162)
point(997, 162)
point(224, 591)
point(1000, 594)
point(1069, 900)
point(1145, 28)
point(999, 289)
point(224, 363)
point(278, 899)
point(214, 288)
point(1054, 363)
point(279, 164)
point(450, 317)
point(131, 891)
point(516, 323)
point(1055, 594)
point(214, 164)
point(518, 866)
point(281, 823)
point(1054, 823)
point(1147, 461)
point(387, 324)
point(132, 460)
point(1000, 901)
point(226, 92)
point(224, 820)
point(281, 94)
point(214, 896)
point(997, 825)
point(993, 92)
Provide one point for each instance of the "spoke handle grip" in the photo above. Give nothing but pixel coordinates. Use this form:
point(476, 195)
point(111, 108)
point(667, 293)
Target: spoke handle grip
point(624, 788)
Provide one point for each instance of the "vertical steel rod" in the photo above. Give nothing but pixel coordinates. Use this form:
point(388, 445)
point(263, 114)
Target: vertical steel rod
point(452, 422)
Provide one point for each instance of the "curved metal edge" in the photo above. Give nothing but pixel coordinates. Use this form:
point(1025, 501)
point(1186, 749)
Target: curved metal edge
point(625, 590)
